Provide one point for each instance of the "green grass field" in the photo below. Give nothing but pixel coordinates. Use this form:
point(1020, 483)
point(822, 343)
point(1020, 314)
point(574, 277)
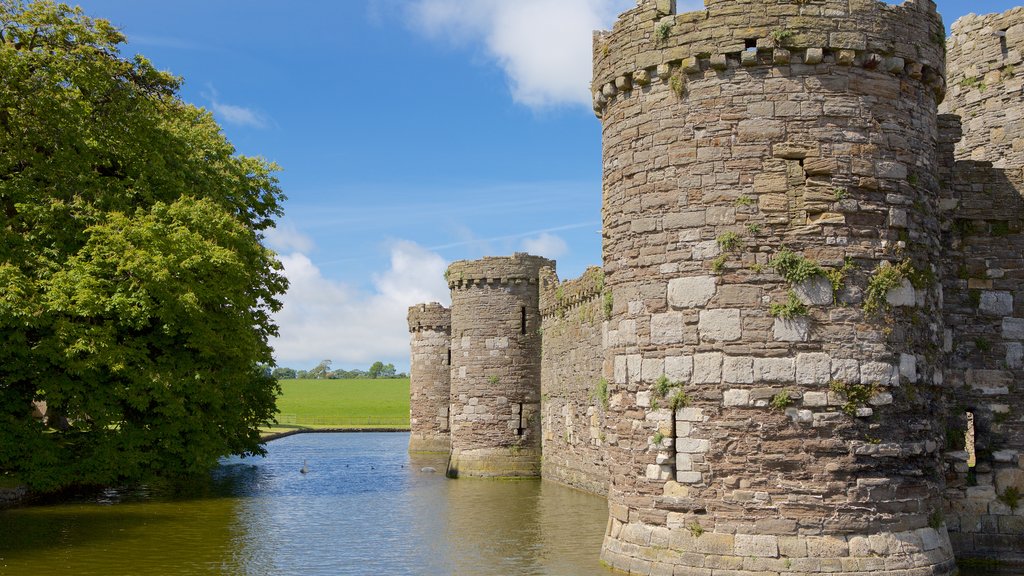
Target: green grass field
point(380, 403)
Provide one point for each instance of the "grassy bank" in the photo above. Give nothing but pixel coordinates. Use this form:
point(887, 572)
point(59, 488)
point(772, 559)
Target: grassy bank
point(311, 404)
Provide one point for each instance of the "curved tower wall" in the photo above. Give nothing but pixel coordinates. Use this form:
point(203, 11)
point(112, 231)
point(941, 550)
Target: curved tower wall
point(732, 136)
point(495, 381)
point(429, 377)
point(986, 78)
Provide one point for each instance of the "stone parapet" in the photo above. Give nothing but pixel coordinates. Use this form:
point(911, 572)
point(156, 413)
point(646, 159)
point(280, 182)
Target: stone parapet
point(516, 269)
point(429, 378)
point(556, 298)
point(652, 44)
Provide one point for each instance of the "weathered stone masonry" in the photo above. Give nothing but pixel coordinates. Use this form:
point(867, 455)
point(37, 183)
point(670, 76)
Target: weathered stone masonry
point(811, 292)
point(429, 378)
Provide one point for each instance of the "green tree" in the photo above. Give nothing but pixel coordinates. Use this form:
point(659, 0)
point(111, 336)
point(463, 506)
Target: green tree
point(376, 369)
point(321, 370)
point(283, 373)
point(135, 292)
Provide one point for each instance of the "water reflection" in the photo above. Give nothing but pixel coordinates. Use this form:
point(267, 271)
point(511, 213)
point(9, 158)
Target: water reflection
point(364, 507)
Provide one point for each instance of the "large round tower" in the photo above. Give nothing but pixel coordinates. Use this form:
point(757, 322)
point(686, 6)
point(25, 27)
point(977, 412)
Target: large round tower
point(495, 372)
point(769, 207)
point(429, 377)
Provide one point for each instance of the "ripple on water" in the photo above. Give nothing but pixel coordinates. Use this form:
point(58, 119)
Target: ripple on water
point(364, 507)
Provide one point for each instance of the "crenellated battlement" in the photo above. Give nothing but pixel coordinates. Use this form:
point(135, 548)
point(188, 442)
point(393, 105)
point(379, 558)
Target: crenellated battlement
point(650, 44)
point(516, 269)
point(431, 316)
point(558, 297)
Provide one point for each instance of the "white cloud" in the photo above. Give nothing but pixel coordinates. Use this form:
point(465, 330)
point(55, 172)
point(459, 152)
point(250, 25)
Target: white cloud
point(232, 114)
point(544, 46)
point(286, 238)
point(323, 318)
point(546, 245)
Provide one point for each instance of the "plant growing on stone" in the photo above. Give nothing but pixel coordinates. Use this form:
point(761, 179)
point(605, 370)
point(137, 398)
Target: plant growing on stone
point(1011, 497)
point(663, 385)
point(780, 35)
point(728, 241)
point(600, 393)
point(757, 268)
point(839, 194)
point(753, 229)
point(781, 401)
point(695, 529)
point(856, 395)
point(657, 438)
point(608, 303)
point(837, 276)
point(718, 264)
point(744, 200)
point(679, 400)
point(492, 379)
point(678, 84)
point(935, 520)
point(886, 277)
point(654, 403)
point(791, 308)
point(794, 268)
point(663, 32)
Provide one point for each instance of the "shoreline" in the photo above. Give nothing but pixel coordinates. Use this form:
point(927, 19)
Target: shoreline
point(278, 435)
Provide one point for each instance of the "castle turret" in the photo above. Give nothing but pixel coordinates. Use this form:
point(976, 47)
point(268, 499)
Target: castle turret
point(495, 382)
point(770, 197)
point(986, 78)
point(429, 377)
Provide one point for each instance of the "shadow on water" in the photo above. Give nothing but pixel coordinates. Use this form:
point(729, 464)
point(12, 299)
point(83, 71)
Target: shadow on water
point(364, 507)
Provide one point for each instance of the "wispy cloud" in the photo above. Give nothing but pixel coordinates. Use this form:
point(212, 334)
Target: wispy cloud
point(474, 240)
point(286, 238)
point(546, 245)
point(232, 114)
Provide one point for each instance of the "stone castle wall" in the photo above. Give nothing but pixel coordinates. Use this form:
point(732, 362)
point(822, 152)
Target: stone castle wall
point(736, 138)
point(985, 83)
point(984, 208)
point(429, 377)
point(573, 390)
point(495, 381)
point(803, 351)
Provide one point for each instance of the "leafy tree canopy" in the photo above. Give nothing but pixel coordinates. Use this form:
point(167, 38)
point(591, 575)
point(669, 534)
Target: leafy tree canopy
point(135, 292)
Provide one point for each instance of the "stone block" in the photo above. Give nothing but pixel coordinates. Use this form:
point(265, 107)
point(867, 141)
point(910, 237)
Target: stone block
point(815, 399)
point(1014, 355)
point(651, 369)
point(692, 445)
point(815, 291)
point(781, 370)
point(813, 56)
point(908, 367)
point(996, 303)
point(690, 415)
point(721, 325)
point(845, 370)
point(692, 292)
point(655, 472)
point(679, 368)
point(827, 547)
point(813, 368)
point(689, 477)
point(795, 330)
point(1013, 328)
point(878, 373)
point(736, 397)
point(902, 295)
point(707, 368)
point(757, 546)
point(760, 130)
point(667, 328)
point(738, 370)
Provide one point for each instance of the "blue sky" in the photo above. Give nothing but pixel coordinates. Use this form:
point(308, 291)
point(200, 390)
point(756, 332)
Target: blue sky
point(411, 133)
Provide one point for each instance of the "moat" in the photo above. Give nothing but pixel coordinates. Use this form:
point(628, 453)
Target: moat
point(365, 507)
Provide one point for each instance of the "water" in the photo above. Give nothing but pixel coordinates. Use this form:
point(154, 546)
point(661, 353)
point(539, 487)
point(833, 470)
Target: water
point(365, 507)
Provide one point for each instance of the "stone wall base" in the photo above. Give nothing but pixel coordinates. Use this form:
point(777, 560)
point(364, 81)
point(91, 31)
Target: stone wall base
point(423, 442)
point(495, 463)
point(657, 550)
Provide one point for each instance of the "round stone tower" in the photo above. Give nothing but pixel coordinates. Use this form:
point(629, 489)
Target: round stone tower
point(429, 377)
point(495, 375)
point(769, 208)
point(986, 77)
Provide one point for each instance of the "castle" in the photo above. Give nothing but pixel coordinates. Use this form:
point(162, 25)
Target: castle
point(803, 351)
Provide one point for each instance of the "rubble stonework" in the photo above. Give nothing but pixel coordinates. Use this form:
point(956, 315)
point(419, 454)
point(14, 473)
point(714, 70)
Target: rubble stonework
point(495, 368)
point(803, 351)
point(429, 378)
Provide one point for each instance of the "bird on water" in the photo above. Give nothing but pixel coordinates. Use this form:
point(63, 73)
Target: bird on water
point(305, 469)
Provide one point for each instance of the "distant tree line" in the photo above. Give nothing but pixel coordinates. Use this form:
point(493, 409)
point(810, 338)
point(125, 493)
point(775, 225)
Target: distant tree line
point(323, 371)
